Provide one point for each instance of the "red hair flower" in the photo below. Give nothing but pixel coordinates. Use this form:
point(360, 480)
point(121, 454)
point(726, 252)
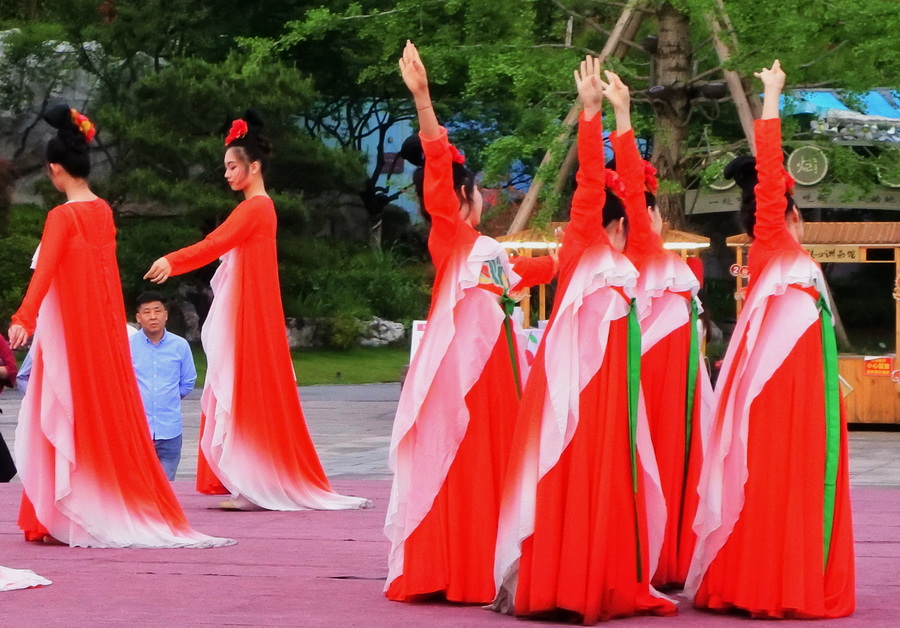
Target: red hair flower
point(789, 183)
point(84, 125)
point(650, 180)
point(238, 130)
point(457, 156)
point(615, 183)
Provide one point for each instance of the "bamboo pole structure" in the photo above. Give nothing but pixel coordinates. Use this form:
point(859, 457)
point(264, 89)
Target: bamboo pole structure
point(732, 78)
point(625, 24)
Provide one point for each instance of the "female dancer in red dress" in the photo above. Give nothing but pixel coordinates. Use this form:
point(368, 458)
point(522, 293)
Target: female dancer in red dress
point(671, 363)
point(83, 449)
point(454, 422)
point(582, 514)
point(254, 441)
point(774, 530)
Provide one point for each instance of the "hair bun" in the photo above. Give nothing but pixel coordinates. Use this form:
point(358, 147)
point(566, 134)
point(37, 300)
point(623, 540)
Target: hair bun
point(412, 151)
point(253, 120)
point(60, 118)
point(743, 170)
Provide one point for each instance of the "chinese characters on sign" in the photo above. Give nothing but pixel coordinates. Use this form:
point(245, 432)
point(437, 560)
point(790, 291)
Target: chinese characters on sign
point(808, 165)
point(878, 367)
point(836, 254)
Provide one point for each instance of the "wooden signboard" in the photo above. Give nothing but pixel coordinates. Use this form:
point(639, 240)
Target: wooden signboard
point(835, 253)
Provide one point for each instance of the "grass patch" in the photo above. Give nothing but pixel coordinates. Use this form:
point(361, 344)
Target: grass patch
point(359, 365)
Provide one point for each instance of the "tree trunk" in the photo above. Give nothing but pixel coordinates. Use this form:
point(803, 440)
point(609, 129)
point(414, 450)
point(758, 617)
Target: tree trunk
point(673, 110)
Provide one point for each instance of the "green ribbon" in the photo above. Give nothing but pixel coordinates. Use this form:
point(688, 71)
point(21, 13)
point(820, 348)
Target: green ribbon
point(693, 368)
point(509, 304)
point(634, 388)
point(832, 419)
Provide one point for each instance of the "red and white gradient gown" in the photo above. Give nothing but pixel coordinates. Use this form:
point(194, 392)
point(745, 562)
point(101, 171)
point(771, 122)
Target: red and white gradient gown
point(774, 530)
point(671, 364)
point(253, 436)
point(582, 514)
point(455, 418)
point(13, 579)
point(83, 448)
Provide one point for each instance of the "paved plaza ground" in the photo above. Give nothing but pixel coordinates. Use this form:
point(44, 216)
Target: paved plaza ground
point(328, 568)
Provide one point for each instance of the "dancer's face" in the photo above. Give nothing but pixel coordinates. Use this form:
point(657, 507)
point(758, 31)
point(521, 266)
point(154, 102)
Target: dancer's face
point(239, 172)
point(471, 207)
point(656, 221)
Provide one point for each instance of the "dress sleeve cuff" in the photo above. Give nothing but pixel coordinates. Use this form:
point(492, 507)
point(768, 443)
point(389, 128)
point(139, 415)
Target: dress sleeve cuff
point(434, 146)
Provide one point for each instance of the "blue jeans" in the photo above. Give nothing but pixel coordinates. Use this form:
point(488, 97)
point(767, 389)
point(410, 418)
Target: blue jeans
point(168, 450)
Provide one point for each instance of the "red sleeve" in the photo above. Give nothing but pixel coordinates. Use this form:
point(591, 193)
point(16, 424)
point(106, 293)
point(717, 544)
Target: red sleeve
point(8, 360)
point(586, 217)
point(440, 197)
point(54, 244)
point(642, 240)
point(533, 270)
point(239, 225)
point(770, 229)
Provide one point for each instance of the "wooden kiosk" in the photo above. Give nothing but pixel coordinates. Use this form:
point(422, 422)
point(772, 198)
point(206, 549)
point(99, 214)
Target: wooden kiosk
point(871, 384)
point(536, 242)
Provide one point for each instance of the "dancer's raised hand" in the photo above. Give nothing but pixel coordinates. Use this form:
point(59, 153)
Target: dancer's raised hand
point(617, 92)
point(773, 82)
point(772, 78)
point(416, 79)
point(413, 70)
point(590, 86)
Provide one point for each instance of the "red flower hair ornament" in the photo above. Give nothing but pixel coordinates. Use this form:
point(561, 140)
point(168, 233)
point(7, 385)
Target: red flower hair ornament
point(650, 180)
point(789, 183)
point(84, 125)
point(457, 156)
point(238, 130)
point(615, 183)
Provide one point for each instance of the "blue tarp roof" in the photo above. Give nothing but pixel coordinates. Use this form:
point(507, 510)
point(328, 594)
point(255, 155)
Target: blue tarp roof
point(818, 102)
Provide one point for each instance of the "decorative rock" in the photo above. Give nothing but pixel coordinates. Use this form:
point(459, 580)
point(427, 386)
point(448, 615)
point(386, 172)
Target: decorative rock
point(302, 333)
point(380, 332)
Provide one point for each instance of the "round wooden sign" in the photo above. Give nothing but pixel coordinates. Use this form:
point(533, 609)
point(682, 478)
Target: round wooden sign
point(808, 165)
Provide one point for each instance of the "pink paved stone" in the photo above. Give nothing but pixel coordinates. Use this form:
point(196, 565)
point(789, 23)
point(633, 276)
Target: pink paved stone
point(323, 569)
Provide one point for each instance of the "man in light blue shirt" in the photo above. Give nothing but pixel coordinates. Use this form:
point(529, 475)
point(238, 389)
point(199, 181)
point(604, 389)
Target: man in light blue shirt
point(165, 372)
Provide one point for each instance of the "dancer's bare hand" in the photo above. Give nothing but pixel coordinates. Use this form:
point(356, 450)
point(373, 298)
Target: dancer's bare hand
point(590, 86)
point(413, 70)
point(617, 92)
point(160, 271)
point(17, 336)
point(772, 78)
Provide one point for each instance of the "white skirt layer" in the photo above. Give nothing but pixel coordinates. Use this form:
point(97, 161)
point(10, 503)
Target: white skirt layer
point(70, 501)
point(12, 579)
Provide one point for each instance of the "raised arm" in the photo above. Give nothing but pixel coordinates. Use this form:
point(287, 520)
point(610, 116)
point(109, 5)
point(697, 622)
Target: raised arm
point(237, 227)
point(54, 244)
point(770, 228)
point(439, 194)
point(642, 240)
point(586, 217)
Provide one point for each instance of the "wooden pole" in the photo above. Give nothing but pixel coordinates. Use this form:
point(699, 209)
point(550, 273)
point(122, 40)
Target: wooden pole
point(752, 98)
point(732, 78)
point(623, 25)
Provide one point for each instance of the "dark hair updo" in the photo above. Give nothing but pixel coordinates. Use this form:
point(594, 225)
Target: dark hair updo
point(743, 170)
point(613, 207)
point(649, 197)
point(69, 148)
point(464, 178)
point(255, 145)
